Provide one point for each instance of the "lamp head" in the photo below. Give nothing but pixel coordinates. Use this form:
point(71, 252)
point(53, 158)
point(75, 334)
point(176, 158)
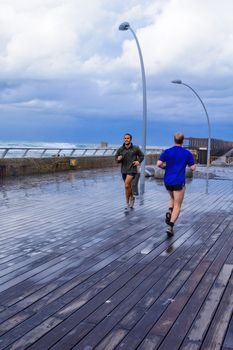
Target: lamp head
point(124, 26)
point(176, 81)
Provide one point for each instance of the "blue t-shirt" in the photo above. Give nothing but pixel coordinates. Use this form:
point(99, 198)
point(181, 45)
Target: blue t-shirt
point(176, 159)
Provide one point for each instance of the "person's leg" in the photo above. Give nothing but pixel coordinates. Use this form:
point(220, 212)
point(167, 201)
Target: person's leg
point(171, 200)
point(135, 184)
point(170, 207)
point(128, 188)
point(178, 199)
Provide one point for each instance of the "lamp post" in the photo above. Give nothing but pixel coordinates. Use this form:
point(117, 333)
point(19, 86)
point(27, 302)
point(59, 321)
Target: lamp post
point(126, 26)
point(209, 129)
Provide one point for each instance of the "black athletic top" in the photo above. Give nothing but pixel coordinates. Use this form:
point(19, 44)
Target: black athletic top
point(130, 155)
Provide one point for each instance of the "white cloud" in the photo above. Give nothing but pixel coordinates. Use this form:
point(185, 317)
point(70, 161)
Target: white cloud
point(69, 55)
point(65, 38)
point(45, 38)
point(191, 36)
point(39, 104)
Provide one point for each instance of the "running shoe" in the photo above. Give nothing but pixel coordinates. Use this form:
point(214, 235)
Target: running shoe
point(127, 208)
point(170, 231)
point(131, 202)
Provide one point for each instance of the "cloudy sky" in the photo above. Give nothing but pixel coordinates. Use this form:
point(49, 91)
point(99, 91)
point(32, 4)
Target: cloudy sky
point(68, 74)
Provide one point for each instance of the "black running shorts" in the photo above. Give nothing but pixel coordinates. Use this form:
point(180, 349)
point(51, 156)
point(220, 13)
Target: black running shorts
point(124, 175)
point(174, 187)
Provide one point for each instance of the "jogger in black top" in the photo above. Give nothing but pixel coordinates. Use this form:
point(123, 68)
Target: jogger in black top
point(130, 157)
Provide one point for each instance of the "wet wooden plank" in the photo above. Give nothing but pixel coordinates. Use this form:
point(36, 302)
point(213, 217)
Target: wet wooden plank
point(112, 277)
point(219, 324)
point(228, 341)
point(168, 305)
point(182, 324)
point(198, 330)
point(120, 311)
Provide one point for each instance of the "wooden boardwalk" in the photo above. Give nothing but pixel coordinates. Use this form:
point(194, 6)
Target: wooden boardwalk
point(77, 273)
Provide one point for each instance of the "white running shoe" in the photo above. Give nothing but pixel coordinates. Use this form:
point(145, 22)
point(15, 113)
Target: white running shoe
point(131, 202)
point(170, 231)
point(126, 208)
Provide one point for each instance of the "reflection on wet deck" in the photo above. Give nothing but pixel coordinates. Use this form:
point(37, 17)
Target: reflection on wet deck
point(76, 272)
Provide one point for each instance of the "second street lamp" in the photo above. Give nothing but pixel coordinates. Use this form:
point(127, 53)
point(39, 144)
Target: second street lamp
point(209, 129)
point(126, 26)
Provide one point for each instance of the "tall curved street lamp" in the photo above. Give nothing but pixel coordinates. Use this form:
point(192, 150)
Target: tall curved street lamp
point(126, 26)
point(209, 129)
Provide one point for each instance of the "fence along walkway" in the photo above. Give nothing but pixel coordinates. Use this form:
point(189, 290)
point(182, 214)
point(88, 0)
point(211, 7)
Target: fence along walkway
point(40, 152)
point(76, 272)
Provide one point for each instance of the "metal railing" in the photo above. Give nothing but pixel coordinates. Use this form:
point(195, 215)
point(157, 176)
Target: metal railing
point(41, 152)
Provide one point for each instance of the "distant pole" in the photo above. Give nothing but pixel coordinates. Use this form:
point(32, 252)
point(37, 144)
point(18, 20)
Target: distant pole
point(209, 131)
point(126, 26)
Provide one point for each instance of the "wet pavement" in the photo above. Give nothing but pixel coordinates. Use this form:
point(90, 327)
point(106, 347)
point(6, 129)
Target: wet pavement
point(76, 270)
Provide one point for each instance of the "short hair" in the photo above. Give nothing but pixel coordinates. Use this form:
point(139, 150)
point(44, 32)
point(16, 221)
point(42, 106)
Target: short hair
point(179, 138)
point(129, 135)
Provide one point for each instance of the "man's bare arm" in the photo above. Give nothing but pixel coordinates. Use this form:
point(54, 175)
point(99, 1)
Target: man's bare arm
point(161, 164)
point(193, 167)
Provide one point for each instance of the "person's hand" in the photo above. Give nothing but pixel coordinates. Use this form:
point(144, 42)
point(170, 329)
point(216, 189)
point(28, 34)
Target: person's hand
point(136, 163)
point(119, 158)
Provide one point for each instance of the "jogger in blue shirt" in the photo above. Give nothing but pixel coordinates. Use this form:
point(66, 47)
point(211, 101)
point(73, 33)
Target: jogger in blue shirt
point(174, 160)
